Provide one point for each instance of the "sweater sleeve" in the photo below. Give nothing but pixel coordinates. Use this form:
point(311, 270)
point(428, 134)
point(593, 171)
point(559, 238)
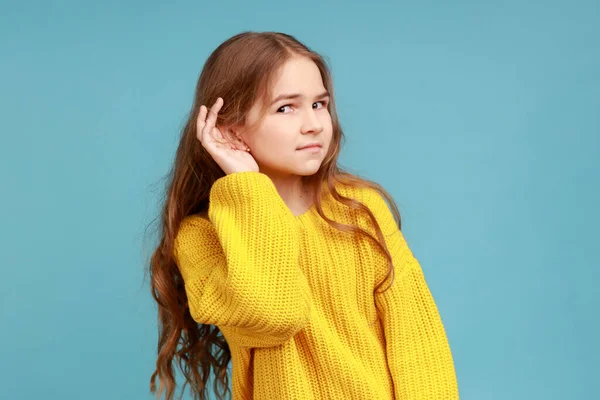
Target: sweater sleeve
point(418, 352)
point(240, 266)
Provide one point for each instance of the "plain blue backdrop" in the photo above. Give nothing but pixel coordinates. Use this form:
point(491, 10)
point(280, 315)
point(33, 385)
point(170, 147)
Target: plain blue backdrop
point(482, 118)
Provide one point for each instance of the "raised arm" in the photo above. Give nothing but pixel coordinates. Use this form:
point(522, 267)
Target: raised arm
point(240, 266)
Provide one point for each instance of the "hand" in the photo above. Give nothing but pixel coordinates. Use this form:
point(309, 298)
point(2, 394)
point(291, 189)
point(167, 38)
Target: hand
point(230, 155)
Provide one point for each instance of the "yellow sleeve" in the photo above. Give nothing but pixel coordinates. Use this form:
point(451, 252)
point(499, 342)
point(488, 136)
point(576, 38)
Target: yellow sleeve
point(418, 352)
point(240, 266)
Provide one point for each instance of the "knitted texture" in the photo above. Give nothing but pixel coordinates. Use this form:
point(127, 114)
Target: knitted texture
point(294, 298)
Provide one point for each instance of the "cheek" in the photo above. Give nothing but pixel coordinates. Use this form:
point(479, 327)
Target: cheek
point(270, 137)
point(327, 125)
point(326, 121)
point(276, 130)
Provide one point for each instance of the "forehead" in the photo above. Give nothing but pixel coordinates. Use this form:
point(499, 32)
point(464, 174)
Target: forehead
point(298, 75)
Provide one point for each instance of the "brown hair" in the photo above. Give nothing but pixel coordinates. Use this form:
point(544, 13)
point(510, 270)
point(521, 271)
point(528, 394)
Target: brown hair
point(241, 71)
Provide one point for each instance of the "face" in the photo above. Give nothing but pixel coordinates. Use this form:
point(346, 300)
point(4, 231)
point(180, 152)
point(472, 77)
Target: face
point(292, 122)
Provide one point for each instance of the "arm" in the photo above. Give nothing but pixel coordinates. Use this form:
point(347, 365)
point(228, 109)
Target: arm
point(418, 353)
point(240, 267)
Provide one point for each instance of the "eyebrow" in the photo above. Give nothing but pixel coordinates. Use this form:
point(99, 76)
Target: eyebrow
point(297, 96)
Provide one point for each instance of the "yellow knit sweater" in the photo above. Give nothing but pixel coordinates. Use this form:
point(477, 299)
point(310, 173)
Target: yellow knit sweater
point(294, 298)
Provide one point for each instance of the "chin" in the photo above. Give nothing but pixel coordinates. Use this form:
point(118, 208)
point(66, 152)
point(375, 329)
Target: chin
point(299, 168)
point(308, 170)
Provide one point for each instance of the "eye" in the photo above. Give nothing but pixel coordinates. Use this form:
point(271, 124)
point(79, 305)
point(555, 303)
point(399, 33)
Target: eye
point(282, 107)
point(324, 103)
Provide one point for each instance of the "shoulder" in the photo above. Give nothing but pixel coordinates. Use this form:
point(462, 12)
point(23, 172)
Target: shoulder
point(374, 200)
point(195, 232)
point(370, 197)
point(194, 225)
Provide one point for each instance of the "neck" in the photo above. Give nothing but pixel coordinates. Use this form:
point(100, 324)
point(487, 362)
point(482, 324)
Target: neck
point(293, 190)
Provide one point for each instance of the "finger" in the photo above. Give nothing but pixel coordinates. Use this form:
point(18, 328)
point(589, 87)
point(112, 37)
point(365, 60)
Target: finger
point(200, 122)
point(218, 137)
point(211, 119)
point(209, 123)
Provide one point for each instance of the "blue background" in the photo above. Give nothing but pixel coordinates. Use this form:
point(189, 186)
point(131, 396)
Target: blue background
point(481, 118)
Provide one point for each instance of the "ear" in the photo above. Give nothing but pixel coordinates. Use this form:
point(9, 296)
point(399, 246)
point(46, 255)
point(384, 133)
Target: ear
point(234, 137)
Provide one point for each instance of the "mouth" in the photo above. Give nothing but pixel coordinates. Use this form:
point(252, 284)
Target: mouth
point(310, 146)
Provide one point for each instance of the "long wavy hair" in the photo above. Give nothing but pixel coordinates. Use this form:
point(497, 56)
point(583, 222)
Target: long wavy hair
point(241, 71)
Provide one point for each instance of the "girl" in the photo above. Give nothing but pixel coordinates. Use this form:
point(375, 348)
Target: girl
point(274, 258)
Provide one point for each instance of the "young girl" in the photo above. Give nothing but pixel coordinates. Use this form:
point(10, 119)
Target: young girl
point(274, 258)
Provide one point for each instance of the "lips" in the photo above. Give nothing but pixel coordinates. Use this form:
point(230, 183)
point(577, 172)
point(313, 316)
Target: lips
point(310, 145)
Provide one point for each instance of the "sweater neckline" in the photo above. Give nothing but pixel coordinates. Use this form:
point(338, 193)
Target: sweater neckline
point(305, 213)
point(313, 208)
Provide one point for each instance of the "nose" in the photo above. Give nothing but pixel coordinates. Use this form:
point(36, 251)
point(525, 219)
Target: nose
point(311, 123)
